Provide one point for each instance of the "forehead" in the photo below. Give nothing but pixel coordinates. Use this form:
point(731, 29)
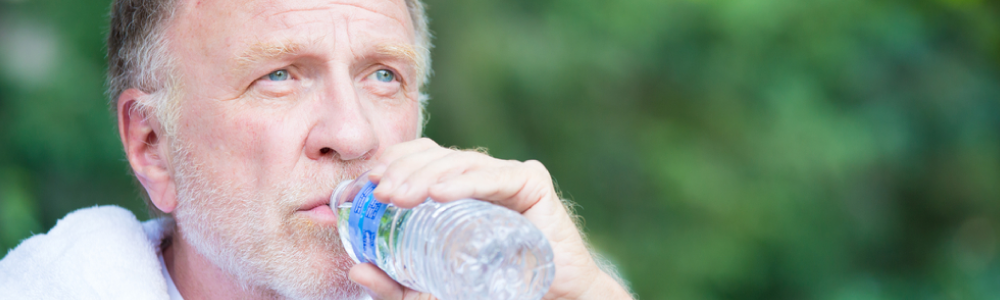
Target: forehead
point(269, 9)
point(209, 25)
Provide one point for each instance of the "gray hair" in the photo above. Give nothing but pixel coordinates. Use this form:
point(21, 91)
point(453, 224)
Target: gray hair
point(138, 58)
point(137, 52)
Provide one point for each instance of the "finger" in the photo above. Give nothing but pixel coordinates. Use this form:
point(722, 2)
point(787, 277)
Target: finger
point(516, 186)
point(393, 182)
point(394, 152)
point(453, 164)
point(376, 281)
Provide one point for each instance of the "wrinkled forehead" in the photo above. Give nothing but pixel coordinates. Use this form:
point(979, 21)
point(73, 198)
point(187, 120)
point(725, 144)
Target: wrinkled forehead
point(210, 25)
point(261, 10)
point(278, 10)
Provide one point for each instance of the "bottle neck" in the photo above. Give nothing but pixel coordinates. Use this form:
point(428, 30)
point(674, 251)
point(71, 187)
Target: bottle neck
point(337, 197)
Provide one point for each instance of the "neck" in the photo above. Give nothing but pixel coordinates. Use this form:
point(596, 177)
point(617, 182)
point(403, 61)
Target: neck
point(198, 278)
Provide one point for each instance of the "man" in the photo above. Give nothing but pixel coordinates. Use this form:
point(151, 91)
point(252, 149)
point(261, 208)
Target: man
point(238, 118)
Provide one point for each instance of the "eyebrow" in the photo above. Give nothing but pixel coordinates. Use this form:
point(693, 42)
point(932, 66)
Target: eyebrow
point(408, 54)
point(261, 51)
point(403, 52)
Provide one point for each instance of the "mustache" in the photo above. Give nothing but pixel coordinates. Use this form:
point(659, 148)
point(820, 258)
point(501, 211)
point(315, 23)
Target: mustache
point(320, 180)
point(330, 175)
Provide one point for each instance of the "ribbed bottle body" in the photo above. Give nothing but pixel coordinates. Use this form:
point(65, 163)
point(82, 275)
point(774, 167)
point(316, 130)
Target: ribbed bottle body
point(464, 249)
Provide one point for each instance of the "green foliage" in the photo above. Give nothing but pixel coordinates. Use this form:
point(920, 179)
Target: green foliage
point(766, 149)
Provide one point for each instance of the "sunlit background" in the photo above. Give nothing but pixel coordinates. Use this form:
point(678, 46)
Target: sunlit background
point(718, 149)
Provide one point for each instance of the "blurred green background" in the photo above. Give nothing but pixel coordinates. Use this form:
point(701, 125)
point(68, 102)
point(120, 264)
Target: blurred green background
point(727, 149)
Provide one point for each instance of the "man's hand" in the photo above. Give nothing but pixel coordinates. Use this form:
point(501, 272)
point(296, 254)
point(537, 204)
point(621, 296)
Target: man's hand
point(408, 173)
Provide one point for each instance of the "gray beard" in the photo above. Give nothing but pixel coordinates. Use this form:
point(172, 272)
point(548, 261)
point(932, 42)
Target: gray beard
point(259, 241)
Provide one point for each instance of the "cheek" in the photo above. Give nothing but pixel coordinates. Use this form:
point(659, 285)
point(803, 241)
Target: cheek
point(225, 145)
point(400, 124)
point(266, 145)
point(276, 143)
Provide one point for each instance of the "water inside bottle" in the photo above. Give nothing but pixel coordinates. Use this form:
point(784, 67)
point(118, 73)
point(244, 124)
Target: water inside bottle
point(382, 242)
point(465, 249)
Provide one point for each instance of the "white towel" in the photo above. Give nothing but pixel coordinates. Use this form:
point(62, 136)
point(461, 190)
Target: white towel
point(93, 253)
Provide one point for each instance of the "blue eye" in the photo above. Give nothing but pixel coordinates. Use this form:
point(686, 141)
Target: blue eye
point(279, 75)
point(384, 75)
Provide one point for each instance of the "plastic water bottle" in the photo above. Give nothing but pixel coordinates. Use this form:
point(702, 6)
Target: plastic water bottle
point(464, 249)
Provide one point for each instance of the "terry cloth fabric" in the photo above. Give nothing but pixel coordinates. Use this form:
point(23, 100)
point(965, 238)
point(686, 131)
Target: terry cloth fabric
point(93, 253)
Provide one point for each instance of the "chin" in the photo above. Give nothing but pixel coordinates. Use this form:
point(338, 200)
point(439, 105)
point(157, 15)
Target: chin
point(308, 263)
point(323, 278)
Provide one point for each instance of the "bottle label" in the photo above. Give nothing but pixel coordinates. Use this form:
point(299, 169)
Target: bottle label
point(366, 214)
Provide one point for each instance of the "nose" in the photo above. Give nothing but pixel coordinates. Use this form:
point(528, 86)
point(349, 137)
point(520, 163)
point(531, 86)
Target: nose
point(343, 128)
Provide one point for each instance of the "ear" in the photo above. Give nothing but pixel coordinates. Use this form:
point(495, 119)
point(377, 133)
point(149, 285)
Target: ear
point(145, 149)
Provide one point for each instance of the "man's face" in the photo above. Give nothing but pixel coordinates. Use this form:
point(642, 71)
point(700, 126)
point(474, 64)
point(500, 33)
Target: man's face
point(279, 101)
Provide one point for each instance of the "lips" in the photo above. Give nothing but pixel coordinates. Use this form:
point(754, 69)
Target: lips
point(319, 210)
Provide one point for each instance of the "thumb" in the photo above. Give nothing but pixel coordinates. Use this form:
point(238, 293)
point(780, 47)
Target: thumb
point(378, 284)
point(381, 287)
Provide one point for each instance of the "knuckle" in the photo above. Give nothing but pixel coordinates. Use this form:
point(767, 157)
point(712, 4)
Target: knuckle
point(513, 164)
point(537, 166)
point(427, 142)
point(442, 151)
point(454, 156)
point(460, 157)
point(469, 155)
